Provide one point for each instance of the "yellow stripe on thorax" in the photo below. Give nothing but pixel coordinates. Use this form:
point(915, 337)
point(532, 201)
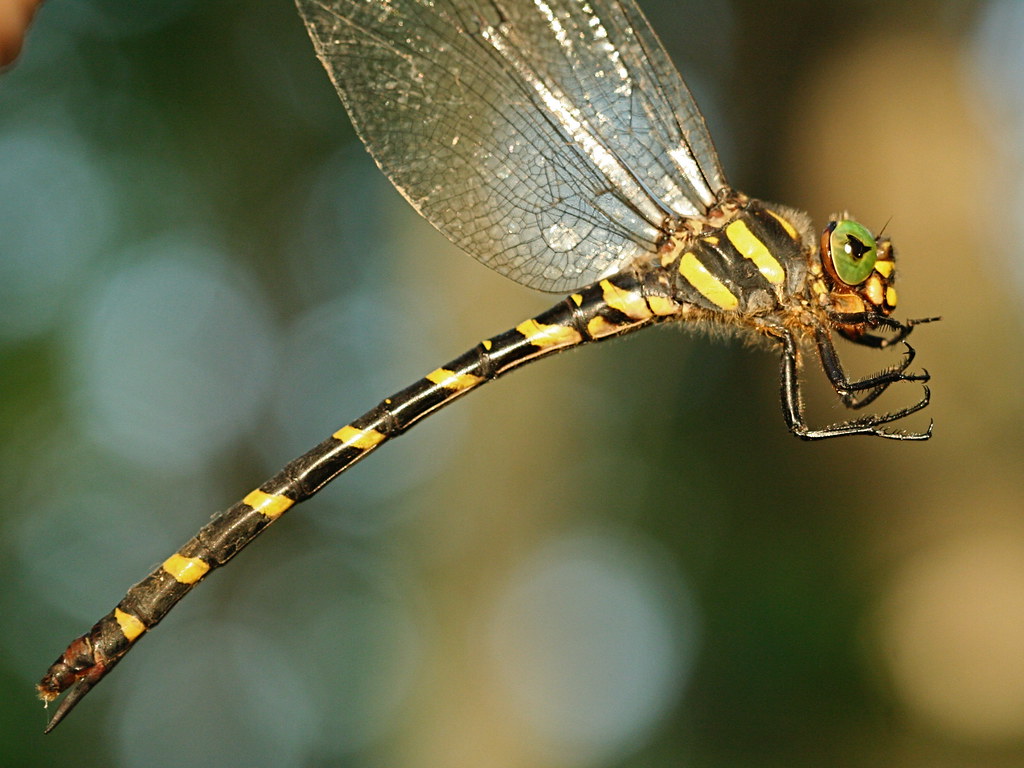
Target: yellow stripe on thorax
point(271, 505)
point(662, 306)
point(790, 230)
point(131, 627)
point(451, 380)
point(746, 243)
point(364, 439)
point(710, 287)
point(541, 335)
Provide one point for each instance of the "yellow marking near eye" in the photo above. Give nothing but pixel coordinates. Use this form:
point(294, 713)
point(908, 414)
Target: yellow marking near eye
point(131, 627)
point(451, 380)
point(270, 505)
point(577, 298)
point(598, 327)
point(662, 306)
point(629, 303)
point(185, 570)
point(710, 240)
point(785, 224)
point(746, 243)
point(884, 268)
point(487, 344)
point(873, 290)
point(363, 439)
point(890, 296)
point(710, 287)
point(848, 303)
point(541, 335)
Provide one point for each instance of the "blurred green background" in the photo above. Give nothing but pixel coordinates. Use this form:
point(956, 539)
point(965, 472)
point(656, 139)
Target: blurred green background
point(619, 557)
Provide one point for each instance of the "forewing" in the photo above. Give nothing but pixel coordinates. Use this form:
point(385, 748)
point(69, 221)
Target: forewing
point(551, 139)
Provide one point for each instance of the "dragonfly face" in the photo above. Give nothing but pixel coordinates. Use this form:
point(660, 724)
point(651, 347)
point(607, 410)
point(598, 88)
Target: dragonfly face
point(555, 142)
point(859, 272)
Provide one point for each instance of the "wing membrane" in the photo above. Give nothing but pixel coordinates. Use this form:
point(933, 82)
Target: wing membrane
point(548, 138)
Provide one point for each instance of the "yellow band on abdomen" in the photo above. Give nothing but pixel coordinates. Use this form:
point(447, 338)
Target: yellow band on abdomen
point(363, 439)
point(185, 570)
point(131, 627)
point(451, 380)
point(271, 505)
point(541, 335)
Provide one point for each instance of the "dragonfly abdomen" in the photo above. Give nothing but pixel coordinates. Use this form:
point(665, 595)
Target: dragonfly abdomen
point(610, 307)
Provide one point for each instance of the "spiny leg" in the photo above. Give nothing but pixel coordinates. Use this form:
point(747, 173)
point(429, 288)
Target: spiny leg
point(882, 342)
point(873, 320)
point(877, 383)
point(793, 409)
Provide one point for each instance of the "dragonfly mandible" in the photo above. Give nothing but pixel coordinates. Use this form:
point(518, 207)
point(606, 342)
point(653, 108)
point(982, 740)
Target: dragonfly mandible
point(555, 142)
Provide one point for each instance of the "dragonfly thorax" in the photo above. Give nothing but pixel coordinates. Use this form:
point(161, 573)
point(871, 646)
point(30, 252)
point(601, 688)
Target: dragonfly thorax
point(755, 262)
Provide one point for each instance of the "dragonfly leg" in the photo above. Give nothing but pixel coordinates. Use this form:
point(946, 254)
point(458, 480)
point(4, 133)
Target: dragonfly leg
point(850, 390)
point(872, 320)
point(793, 409)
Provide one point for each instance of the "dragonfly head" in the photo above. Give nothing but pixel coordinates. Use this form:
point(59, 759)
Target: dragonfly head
point(859, 271)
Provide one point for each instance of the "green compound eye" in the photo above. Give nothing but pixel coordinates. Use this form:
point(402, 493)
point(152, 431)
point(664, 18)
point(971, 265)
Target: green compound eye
point(852, 250)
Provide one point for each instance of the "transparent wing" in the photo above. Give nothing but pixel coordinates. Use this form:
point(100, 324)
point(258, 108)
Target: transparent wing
point(551, 139)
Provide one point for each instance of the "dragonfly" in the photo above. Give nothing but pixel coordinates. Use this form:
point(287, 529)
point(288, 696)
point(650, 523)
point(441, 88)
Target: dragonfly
point(555, 142)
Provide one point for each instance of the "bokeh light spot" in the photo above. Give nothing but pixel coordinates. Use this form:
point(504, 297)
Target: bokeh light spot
point(952, 625)
point(55, 212)
point(592, 638)
point(174, 356)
